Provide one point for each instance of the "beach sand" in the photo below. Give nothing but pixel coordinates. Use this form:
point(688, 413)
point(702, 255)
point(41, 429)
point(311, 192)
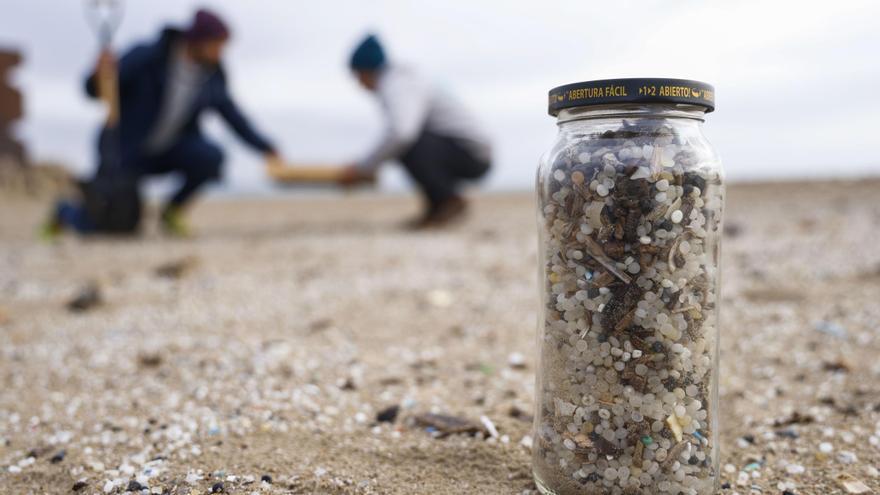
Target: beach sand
point(269, 342)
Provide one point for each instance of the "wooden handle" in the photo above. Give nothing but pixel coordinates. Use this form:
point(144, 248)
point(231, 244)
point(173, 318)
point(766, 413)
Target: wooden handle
point(108, 91)
point(304, 173)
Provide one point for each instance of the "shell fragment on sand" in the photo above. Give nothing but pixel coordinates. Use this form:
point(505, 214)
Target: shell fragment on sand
point(443, 425)
point(852, 485)
point(88, 297)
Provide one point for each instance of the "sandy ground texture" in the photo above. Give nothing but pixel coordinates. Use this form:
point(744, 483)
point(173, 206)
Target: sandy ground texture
point(267, 346)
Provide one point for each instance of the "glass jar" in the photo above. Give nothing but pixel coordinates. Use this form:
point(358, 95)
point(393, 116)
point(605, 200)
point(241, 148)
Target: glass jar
point(629, 211)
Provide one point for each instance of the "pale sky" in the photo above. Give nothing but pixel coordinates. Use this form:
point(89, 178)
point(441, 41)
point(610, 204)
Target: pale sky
point(796, 81)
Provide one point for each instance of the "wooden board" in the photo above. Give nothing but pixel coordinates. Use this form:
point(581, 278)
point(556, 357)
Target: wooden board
point(307, 174)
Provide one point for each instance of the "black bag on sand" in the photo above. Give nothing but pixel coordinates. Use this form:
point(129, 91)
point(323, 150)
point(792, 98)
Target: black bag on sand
point(112, 203)
point(112, 199)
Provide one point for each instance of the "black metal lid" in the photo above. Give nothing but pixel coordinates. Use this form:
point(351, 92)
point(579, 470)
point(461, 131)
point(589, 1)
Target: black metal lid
point(631, 90)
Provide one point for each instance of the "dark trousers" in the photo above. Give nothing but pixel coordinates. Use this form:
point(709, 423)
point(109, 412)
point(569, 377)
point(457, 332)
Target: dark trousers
point(438, 164)
point(194, 157)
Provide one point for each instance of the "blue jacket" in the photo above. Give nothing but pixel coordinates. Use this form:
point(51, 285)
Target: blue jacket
point(143, 74)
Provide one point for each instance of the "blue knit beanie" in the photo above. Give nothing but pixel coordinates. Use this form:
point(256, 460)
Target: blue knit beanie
point(368, 55)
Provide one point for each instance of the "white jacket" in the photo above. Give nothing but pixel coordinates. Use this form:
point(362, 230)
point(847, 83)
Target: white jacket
point(411, 106)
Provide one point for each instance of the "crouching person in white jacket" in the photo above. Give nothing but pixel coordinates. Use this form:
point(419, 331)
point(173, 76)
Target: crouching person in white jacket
point(427, 131)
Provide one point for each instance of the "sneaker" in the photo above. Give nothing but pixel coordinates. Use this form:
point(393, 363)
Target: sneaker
point(174, 224)
point(441, 215)
point(50, 231)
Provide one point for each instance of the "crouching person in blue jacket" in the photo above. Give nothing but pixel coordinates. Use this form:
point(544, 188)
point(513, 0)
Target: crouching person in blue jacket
point(164, 87)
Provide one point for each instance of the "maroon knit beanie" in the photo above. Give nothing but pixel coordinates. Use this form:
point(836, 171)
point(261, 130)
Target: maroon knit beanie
point(206, 25)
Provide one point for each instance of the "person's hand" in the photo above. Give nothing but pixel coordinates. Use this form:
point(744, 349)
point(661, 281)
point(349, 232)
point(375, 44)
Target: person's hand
point(352, 175)
point(273, 159)
point(274, 163)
